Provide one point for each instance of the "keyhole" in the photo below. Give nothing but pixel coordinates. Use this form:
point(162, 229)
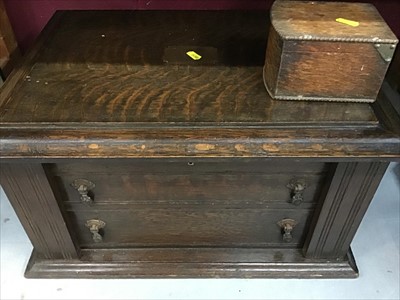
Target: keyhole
point(190, 163)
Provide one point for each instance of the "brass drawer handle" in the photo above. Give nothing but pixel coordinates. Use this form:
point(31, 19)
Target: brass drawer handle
point(83, 186)
point(297, 187)
point(287, 226)
point(94, 227)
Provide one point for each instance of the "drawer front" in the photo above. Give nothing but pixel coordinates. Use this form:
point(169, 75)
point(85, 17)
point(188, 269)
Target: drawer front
point(189, 227)
point(182, 182)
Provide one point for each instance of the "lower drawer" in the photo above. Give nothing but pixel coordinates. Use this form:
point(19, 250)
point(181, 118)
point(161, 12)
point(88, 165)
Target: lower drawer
point(190, 227)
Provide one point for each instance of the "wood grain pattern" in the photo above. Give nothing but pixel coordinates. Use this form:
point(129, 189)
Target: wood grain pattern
point(348, 198)
point(81, 76)
point(26, 62)
point(149, 142)
point(111, 96)
point(164, 94)
point(78, 90)
point(323, 60)
point(331, 70)
point(190, 227)
point(273, 60)
point(31, 196)
point(388, 108)
point(316, 19)
point(192, 263)
point(254, 183)
point(208, 188)
point(9, 51)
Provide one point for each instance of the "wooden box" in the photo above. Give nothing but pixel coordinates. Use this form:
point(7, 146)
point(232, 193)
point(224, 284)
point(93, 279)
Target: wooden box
point(121, 163)
point(327, 51)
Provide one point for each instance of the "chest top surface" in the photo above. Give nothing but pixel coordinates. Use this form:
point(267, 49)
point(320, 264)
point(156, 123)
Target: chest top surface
point(97, 76)
point(133, 67)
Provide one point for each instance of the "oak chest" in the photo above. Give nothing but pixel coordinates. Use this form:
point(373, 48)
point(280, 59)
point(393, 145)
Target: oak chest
point(327, 51)
point(124, 156)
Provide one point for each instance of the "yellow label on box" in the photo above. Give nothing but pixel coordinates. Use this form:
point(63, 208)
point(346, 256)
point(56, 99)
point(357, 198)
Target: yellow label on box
point(193, 55)
point(348, 22)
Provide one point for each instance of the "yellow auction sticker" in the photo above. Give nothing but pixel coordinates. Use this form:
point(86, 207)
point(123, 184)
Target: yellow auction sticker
point(348, 22)
point(193, 55)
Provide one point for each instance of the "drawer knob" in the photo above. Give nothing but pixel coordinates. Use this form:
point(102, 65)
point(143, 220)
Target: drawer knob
point(94, 227)
point(287, 226)
point(83, 186)
point(297, 187)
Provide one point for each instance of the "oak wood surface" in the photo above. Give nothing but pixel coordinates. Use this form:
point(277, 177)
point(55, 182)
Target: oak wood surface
point(192, 263)
point(99, 86)
point(208, 188)
point(350, 193)
point(9, 51)
point(86, 82)
point(255, 183)
point(315, 58)
point(34, 202)
point(317, 19)
point(104, 142)
point(331, 69)
point(273, 61)
point(81, 76)
point(190, 227)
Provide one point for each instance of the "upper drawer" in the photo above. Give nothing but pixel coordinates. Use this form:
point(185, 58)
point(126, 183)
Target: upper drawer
point(196, 182)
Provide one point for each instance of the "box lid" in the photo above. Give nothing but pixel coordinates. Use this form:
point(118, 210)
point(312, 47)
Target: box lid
point(330, 21)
